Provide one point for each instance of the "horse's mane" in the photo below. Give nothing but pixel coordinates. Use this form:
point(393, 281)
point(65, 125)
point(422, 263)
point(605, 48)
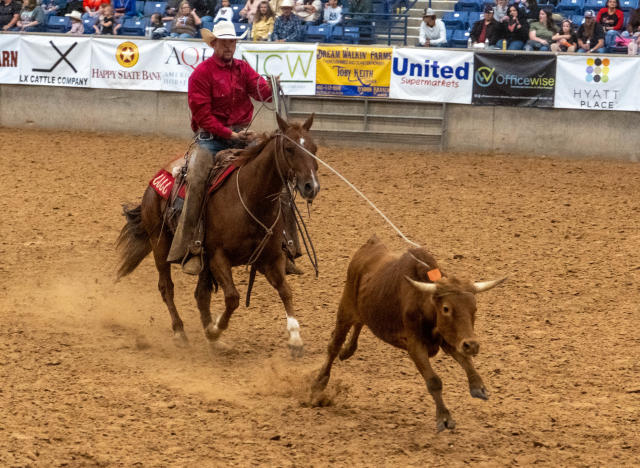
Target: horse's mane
point(263, 139)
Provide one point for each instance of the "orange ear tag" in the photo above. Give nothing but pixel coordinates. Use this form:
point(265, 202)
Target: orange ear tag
point(434, 275)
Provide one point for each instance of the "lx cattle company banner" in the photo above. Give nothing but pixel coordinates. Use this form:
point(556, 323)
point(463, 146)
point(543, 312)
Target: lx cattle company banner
point(294, 63)
point(126, 64)
point(9, 58)
point(431, 75)
point(55, 61)
point(598, 82)
point(353, 71)
point(179, 59)
point(509, 79)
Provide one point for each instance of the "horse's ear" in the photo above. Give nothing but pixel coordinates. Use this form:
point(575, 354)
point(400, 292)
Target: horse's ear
point(307, 124)
point(281, 123)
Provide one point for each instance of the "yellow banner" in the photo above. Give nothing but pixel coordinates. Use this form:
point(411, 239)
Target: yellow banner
point(353, 71)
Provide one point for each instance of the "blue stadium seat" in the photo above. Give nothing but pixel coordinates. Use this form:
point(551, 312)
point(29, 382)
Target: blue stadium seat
point(570, 7)
point(242, 28)
point(468, 5)
point(460, 39)
point(449, 37)
point(207, 25)
point(59, 24)
point(154, 7)
point(345, 35)
point(133, 27)
point(236, 13)
point(627, 5)
point(594, 5)
point(88, 23)
point(315, 33)
point(140, 6)
point(577, 20)
point(473, 17)
point(455, 20)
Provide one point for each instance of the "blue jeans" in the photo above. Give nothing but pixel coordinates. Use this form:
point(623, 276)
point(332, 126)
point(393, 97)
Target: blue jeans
point(513, 45)
point(610, 38)
point(214, 145)
point(601, 50)
point(535, 45)
point(182, 36)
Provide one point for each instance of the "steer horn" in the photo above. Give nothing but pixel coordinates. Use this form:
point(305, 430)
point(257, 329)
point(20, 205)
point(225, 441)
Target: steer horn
point(426, 287)
point(486, 285)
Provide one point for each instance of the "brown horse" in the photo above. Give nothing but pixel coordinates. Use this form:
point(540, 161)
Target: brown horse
point(242, 220)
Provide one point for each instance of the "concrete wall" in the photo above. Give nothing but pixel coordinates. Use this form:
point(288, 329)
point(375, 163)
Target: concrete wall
point(597, 134)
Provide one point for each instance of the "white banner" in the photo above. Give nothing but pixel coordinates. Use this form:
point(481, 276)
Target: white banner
point(127, 64)
point(296, 63)
point(432, 74)
point(597, 82)
point(55, 61)
point(179, 59)
point(9, 58)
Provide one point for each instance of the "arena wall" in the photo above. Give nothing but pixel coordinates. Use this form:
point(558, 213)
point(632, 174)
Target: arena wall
point(552, 132)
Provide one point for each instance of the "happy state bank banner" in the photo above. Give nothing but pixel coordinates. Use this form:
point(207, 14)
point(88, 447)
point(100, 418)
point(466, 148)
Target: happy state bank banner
point(353, 71)
point(126, 64)
point(597, 82)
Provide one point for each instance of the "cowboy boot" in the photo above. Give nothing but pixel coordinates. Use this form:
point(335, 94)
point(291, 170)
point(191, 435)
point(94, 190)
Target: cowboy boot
point(185, 245)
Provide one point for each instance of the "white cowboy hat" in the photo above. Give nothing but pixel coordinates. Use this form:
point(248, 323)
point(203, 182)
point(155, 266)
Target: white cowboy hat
point(75, 15)
point(286, 3)
point(222, 30)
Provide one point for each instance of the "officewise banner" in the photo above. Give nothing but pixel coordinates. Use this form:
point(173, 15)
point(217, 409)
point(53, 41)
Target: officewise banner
point(9, 58)
point(179, 59)
point(126, 64)
point(353, 71)
point(510, 79)
point(598, 83)
point(431, 75)
point(294, 63)
point(55, 61)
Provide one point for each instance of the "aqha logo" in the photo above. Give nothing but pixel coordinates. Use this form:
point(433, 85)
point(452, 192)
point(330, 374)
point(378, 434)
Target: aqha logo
point(597, 70)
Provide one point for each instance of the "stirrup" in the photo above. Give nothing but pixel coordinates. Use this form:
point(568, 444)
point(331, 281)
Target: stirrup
point(191, 264)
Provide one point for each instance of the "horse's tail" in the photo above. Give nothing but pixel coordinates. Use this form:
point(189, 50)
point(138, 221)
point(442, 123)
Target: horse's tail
point(133, 242)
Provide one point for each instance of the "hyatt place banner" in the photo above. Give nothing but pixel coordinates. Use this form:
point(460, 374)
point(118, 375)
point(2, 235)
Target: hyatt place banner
point(512, 79)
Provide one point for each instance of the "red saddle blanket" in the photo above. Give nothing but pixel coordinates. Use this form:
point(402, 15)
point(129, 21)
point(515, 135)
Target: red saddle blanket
point(163, 182)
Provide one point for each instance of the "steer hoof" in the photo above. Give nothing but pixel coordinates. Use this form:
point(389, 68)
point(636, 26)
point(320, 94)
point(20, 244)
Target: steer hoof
point(445, 421)
point(297, 351)
point(480, 393)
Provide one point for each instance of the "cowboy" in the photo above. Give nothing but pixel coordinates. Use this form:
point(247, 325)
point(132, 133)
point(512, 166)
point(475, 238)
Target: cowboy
point(218, 94)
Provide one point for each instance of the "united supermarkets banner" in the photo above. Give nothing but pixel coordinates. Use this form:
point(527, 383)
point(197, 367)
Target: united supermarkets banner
point(9, 58)
point(179, 59)
point(598, 82)
point(294, 63)
point(353, 71)
point(127, 64)
point(431, 75)
point(56, 61)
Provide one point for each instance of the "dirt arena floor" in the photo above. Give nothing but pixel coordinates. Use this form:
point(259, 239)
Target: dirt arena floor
point(90, 376)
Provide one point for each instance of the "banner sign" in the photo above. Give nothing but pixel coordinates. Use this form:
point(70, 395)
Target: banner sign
point(179, 59)
point(353, 71)
point(511, 79)
point(9, 58)
point(127, 64)
point(597, 82)
point(295, 63)
point(55, 61)
point(431, 75)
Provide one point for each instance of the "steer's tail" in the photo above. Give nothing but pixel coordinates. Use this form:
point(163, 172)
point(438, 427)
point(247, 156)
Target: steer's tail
point(133, 242)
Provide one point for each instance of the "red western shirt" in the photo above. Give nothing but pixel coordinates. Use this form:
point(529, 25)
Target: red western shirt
point(219, 95)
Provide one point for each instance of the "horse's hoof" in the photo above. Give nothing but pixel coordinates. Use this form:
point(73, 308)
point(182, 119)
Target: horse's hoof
point(180, 339)
point(445, 422)
point(219, 346)
point(481, 393)
point(212, 332)
point(297, 351)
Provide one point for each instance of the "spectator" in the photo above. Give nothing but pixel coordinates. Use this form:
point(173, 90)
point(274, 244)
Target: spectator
point(486, 29)
point(541, 32)
point(9, 14)
point(566, 39)
point(107, 24)
point(611, 18)
point(360, 6)
point(31, 17)
point(263, 22)
point(332, 13)
point(118, 8)
point(172, 10)
point(514, 29)
point(52, 7)
point(249, 10)
point(308, 10)
point(590, 35)
point(432, 30)
point(500, 10)
point(632, 33)
point(225, 13)
point(287, 27)
point(92, 7)
point(186, 23)
point(530, 9)
point(204, 9)
point(77, 28)
point(158, 29)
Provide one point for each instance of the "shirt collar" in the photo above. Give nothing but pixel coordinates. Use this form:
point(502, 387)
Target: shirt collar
point(220, 64)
